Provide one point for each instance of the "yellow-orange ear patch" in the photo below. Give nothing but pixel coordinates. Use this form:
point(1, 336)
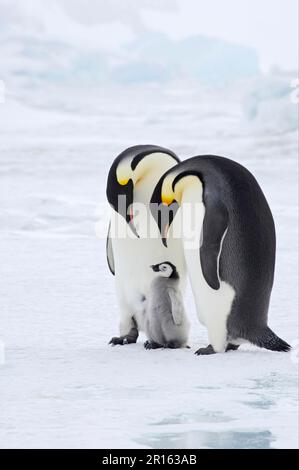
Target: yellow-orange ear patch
point(166, 199)
point(123, 181)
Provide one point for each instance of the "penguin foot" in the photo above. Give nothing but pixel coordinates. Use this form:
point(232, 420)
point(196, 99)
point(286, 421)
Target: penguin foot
point(152, 345)
point(205, 351)
point(172, 345)
point(121, 340)
point(130, 338)
point(232, 347)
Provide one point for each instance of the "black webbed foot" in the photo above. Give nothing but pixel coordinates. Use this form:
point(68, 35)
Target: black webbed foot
point(130, 338)
point(232, 347)
point(172, 345)
point(121, 340)
point(205, 351)
point(152, 345)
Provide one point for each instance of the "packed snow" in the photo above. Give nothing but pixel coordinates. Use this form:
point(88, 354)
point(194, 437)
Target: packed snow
point(61, 384)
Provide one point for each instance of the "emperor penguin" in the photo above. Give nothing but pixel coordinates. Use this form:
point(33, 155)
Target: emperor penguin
point(229, 250)
point(166, 322)
point(133, 241)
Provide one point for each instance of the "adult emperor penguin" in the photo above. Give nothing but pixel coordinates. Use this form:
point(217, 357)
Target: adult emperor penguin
point(229, 250)
point(133, 242)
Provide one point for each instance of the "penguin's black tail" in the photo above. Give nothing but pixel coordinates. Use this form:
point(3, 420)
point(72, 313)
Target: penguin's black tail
point(266, 338)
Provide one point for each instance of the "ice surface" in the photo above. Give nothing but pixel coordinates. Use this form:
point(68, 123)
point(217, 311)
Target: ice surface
point(61, 384)
point(269, 103)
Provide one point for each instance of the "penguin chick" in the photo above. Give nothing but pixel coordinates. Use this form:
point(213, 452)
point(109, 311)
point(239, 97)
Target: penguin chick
point(166, 324)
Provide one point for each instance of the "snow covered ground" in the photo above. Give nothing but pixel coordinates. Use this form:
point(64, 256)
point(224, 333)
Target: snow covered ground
point(61, 385)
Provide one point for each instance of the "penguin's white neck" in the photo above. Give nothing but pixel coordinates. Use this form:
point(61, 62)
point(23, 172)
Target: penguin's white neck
point(143, 189)
point(148, 173)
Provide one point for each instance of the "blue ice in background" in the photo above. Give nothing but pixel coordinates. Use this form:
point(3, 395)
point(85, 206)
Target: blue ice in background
point(85, 44)
point(210, 61)
point(148, 58)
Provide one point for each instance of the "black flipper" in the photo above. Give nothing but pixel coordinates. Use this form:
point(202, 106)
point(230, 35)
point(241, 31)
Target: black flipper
point(214, 226)
point(109, 252)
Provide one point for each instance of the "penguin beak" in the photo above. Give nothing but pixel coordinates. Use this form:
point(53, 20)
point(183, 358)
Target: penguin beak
point(165, 234)
point(133, 228)
point(166, 201)
point(130, 222)
point(155, 267)
point(164, 219)
point(163, 211)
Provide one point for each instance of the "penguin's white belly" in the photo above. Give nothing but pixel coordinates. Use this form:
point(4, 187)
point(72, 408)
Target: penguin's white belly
point(133, 259)
point(213, 306)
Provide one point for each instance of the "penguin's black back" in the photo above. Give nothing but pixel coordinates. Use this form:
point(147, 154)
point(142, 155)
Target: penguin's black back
point(247, 258)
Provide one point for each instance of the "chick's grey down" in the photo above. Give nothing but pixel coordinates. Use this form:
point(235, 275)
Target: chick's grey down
point(166, 322)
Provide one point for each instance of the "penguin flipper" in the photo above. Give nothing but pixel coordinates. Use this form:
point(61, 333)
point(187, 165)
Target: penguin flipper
point(109, 252)
point(177, 307)
point(215, 224)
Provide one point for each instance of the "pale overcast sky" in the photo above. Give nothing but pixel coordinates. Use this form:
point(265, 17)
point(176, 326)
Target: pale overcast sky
point(271, 26)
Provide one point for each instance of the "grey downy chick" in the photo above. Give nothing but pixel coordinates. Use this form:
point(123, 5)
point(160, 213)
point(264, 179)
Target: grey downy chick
point(166, 324)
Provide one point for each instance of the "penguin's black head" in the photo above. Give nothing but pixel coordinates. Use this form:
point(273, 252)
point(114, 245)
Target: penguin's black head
point(166, 269)
point(167, 196)
point(120, 189)
point(128, 169)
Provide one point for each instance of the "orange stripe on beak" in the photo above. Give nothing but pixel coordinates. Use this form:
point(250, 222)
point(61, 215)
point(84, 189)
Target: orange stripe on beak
point(166, 231)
